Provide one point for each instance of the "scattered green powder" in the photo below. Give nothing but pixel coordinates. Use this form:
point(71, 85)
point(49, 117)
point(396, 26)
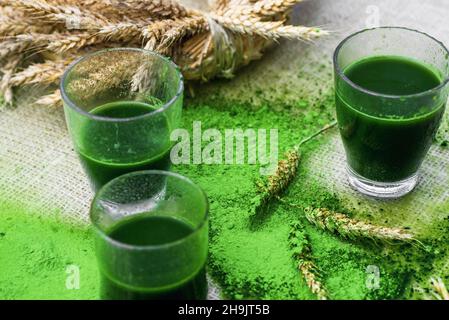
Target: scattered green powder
point(249, 255)
point(40, 256)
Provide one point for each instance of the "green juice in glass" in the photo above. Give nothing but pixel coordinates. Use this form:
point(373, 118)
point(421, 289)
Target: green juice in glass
point(144, 230)
point(101, 171)
point(388, 149)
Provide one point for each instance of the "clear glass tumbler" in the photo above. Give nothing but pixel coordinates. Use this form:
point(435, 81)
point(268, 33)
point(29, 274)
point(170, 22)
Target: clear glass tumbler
point(151, 244)
point(121, 106)
point(391, 93)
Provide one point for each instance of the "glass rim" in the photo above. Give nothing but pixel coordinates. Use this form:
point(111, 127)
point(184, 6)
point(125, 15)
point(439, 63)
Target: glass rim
point(166, 105)
point(159, 246)
point(342, 75)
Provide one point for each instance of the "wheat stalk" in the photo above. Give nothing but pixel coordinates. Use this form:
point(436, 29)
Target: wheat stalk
point(14, 23)
point(302, 252)
point(296, 33)
point(269, 8)
point(121, 32)
point(161, 35)
point(154, 32)
point(312, 277)
point(45, 73)
point(246, 25)
point(104, 74)
point(270, 29)
point(285, 172)
point(50, 100)
point(104, 7)
point(349, 228)
point(50, 12)
point(220, 6)
point(62, 43)
point(157, 29)
point(5, 84)
point(181, 28)
point(15, 46)
point(157, 8)
point(439, 288)
point(13, 27)
point(276, 183)
point(238, 4)
point(204, 44)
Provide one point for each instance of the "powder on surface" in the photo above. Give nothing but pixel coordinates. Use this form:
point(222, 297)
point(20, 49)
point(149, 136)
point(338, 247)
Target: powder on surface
point(38, 255)
point(249, 256)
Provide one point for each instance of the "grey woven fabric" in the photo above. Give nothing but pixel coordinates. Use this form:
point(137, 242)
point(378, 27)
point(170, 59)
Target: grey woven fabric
point(37, 162)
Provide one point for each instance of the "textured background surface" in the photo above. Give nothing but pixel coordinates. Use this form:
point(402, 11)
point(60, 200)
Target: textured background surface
point(37, 161)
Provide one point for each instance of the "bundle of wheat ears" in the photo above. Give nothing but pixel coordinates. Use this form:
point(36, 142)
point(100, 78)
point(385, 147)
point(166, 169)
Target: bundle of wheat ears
point(39, 38)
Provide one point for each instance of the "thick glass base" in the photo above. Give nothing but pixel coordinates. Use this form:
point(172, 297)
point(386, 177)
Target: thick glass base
point(383, 190)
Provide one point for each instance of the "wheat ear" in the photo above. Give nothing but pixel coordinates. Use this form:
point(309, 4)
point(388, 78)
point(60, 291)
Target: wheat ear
point(12, 26)
point(44, 73)
point(15, 46)
point(104, 7)
point(51, 100)
point(121, 32)
point(295, 32)
point(156, 8)
point(50, 12)
point(161, 35)
point(285, 172)
point(269, 30)
point(348, 228)
point(60, 43)
point(5, 85)
point(181, 28)
point(220, 6)
point(440, 291)
point(62, 26)
point(269, 8)
point(54, 42)
point(277, 183)
point(302, 252)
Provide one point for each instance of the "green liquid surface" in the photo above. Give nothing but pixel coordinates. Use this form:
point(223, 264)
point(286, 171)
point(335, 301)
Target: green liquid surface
point(392, 75)
point(153, 230)
point(99, 171)
point(385, 149)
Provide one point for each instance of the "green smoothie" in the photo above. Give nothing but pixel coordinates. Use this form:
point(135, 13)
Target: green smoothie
point(100, 140)
point(144, 230)
point(388, 149)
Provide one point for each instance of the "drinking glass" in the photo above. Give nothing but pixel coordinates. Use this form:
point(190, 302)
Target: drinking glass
point(121, 106)
point(151, 244)
point(387, 136)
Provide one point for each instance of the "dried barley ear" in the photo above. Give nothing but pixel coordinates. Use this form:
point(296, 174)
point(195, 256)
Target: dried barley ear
point(51, 100)
point(302, 253)
point(204, 44)
point(6, 89)
point(440, 291)
point(276, 184)
point(353, 229)
point(285, 173)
